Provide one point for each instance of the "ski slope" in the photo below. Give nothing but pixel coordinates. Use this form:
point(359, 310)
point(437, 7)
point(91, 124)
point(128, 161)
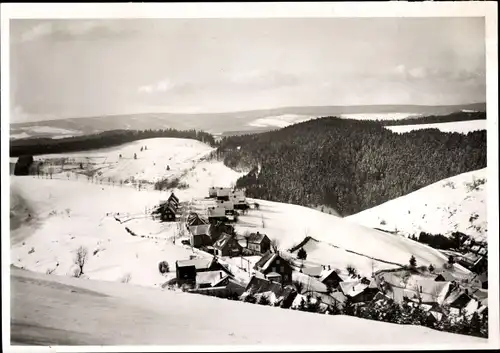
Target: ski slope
point(43, 312)
point(444, 207)
point(462, 127)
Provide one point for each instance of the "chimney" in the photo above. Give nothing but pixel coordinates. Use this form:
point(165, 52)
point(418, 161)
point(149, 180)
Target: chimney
point(220, 274)
point(328, 267)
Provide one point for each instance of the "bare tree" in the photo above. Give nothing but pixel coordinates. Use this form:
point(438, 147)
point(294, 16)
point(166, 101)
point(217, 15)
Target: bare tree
point(81, 258)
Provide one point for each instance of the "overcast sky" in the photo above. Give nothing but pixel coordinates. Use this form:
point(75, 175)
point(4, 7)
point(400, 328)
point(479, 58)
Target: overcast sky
point(76, 68)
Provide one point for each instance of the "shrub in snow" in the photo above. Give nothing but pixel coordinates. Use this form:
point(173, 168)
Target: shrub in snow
point(32, 250)
point(431, 268)
point(383, 222)
point(163, 267)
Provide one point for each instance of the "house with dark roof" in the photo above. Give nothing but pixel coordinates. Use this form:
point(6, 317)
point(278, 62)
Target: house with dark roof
point(258, 243)
point(330, 278)
point(272, 262)
point(166, 211)
point(174, 201)
point(227, 245)
point(445, 276)
point(357, 291)
point(285, 294)
point(194, 219)
point(199, 235)
point(186, 270)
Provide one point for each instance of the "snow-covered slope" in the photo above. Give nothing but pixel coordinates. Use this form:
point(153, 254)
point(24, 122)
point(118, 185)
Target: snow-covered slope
point(52, 218)
point(380, 116)
point(44, 312)
point(454, 204)
point(290, 224)
point(462, 127)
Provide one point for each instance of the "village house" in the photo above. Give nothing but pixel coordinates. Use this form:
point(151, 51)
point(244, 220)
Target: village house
point(284, 295)
point(195, 220)
point(199, 235)
point(227, 205)
point(330, 277)
point(186, 270)
point(239, 200)
point(223, 193)
point(227, 245)
point(210, 278)
point(273, 263)
point(174, 201)
point(212, 192)
point(166, 211)
point(216, 214)
point(359, 292)
point(445, 276)
point(258, 243)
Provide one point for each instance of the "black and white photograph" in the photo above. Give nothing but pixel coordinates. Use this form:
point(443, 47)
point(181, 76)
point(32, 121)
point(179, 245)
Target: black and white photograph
point(257, 176)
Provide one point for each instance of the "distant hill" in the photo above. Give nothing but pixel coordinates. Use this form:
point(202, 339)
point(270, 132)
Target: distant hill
point(215, 123)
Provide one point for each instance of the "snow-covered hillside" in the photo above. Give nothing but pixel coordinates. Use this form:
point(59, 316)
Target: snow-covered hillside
point(380, 116)
point(51, 218)
point(150, 164)
point(280, 121)
point(128, 314)
point(462, 127)
point(454, 204)
point(340, 239)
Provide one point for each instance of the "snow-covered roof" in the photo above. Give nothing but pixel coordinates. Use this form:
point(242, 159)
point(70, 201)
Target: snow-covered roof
point(352, 288)
point(200, 229)
point(199, 263)
point(222, 241)
point(314, 271)
point(265, 261)
point(210, 277)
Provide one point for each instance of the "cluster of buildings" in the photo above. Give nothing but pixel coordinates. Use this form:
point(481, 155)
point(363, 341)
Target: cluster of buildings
point(438, 293)
point(226, 202)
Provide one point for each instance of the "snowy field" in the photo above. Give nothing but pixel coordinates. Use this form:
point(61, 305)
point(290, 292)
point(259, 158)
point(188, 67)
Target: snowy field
point(444, 207)
point(43, 312)
point(462, 127)
point(280, 121)
point(380, 116)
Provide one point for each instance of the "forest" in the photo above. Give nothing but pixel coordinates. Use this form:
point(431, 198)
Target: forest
point(349, 165)
point(434, 119)
point(37, 146)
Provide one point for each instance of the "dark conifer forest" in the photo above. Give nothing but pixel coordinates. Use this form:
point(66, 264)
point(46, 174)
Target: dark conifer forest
point(348, 165)
point(36, 146)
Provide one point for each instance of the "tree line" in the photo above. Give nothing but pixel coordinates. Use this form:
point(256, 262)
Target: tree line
point(348, 165)
point(434, 119)
point(37, 146)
